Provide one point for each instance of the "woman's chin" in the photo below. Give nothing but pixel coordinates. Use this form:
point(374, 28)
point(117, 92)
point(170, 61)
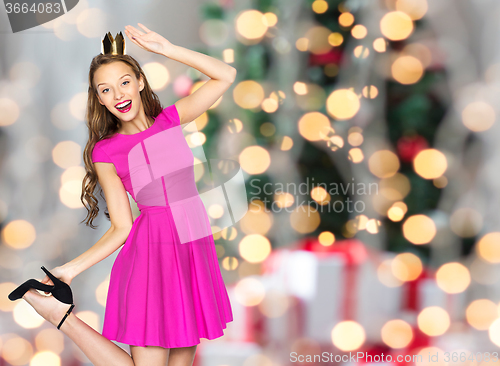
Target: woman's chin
point(125, 117)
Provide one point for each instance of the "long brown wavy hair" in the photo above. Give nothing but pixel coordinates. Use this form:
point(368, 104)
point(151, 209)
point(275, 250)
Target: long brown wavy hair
point(102, 124)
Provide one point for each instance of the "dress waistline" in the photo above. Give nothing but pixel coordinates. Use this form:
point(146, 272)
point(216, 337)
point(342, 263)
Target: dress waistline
point(153, 208)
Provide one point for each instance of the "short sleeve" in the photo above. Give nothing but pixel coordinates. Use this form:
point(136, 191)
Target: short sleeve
point(99, 155)
point(171, 116)
point(175, 115)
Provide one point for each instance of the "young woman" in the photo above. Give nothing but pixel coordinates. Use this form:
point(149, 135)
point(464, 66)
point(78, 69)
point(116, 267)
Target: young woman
point(164, 295)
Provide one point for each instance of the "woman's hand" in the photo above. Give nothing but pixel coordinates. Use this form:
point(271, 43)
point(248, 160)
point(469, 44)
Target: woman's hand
point(149, 40)
point(60, 272)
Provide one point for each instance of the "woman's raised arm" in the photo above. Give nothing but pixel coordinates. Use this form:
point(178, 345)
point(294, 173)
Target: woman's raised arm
point(222, 75)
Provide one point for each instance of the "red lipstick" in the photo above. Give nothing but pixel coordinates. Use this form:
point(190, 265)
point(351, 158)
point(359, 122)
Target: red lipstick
point(125, 106)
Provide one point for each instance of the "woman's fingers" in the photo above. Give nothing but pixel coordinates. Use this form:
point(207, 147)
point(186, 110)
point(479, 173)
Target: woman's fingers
point(134, 40)
point(144, 27)
point(140, 40)
point(46, 280)
point(134, 30)
point(132, 34)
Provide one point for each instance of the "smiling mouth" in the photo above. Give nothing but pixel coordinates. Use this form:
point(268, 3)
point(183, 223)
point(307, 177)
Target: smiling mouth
point(125, 106)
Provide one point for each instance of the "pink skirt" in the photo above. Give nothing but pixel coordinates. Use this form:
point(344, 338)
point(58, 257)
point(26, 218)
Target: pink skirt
point(164, 293)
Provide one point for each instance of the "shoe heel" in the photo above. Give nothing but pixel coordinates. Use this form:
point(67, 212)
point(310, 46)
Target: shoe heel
point(61, 291)
point(51, 276)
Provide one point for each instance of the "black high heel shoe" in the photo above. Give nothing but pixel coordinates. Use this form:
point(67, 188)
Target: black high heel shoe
point(60, 290)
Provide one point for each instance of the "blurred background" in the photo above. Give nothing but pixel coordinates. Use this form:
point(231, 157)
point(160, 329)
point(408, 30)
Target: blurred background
point(367, 133)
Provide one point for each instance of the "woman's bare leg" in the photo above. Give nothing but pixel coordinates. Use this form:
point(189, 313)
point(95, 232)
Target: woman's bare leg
point(183, 356)
point(99, 350)
point(149, 355)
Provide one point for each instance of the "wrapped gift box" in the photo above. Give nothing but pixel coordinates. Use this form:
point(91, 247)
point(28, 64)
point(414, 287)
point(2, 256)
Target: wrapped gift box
point(334, 283)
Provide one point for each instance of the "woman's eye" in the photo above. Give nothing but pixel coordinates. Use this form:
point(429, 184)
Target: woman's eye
point(104, 90)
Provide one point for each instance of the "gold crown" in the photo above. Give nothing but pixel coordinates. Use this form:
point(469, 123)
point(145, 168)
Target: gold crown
point(112, 46)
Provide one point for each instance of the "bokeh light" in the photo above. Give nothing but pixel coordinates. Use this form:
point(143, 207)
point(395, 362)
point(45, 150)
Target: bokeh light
point(407, 70)
point(275, 304)
point(419, 229)
point(255, 160)
point(317, 38)
point(26, 316)
point(270, 19)
point(383, 163)
point(356, 155)
point(346, 19)
point(380, 45)
point(488, 247)
point(305, 219)
point(386, 276)
point(433, 321)
point(335, 39)
point(67, 154)
point(359, 31)
point(416, 9)
point(251, 24)
point(481, 313)
point(397, 333)
point(478, 116)
point(92, 23)
point(430, 163)
point(313, 126)
point(249, 291)
point(19, 234)
point(248, 94)
point(10, 111)
point(326, 238)
point(342, 104)
point(157, 74)
point(319, 6)
point(17, 351)
point(407, 266)
point(370, 91)
point(45, 358)
point(257, 220)
point(453, 277)
point(348, 335)
point(361, 52)
point(396, 25)
point(494, 332)
point(254, 248)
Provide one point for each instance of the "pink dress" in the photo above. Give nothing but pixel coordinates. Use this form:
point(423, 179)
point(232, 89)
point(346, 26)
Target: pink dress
point(162, 291)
